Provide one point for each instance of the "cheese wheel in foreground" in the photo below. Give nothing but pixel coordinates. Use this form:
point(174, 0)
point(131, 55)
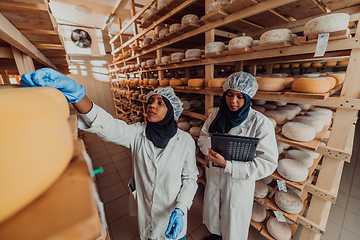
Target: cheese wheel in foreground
point(292, 170)
point(261, 189)
point(258, 212)
point(185, 126)
point(311, 85)
point(312, 121)
point(36, 145)
point(339, 77)
point(300, 156)
point(298, 131)
point(288, 202)
point(196, 82)
point(279, 230)
point(280, 117)
point(271, 84)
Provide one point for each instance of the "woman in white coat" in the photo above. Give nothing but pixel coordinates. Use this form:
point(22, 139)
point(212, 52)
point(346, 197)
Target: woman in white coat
point(164, 162)
point(229, 192)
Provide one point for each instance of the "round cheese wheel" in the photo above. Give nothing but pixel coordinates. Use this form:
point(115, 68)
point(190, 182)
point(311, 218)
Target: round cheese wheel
point(146, 82)
point(331, 80)
point(273, 122)
point(165, 59)
point(164, 83)
point(256, 42)
point(258, 101)
point(196, 82)
point(184, 119)
point(190, 18)
point(195, 103)
point(185, 126)
point(271, 84)
point(193, 53)
point(298, 131)
point(301, 156)
point(289, 81)
point(154, 82)
point(304, 106)
point(279, 104)
point(311, 85)
point(195, 122)
point(292, 170)
point(267, 180)
point(214, 47)
point(306, 64)
point(291, 113)
point(276, 36)
point(288, 202)
point(261, 189)
point(312, 121)
point(174, 27)
point(343, 63)
point(325, 118)
point(296, 191)
point(285, 65)
point(327, 23)
point(216, 82)
point(240, 42)
point(330, 64)
point(279, 147)
point(157, 61)
point(317, 64)
point(258, 212)
point(339, 77)
point(259, 108)
point(185, 80)
point(276, 66)
point(279, 230)
point(322, 110)
point(295, 65)
point(195, 131)
point(176, 82)
point(280, 117)
point(147, 40)
point(36, 144)
point(177, 56)
point(269, 107)
point(186, 105)
point(143, 64)
point(150, 62)
point(217, 5)
point(163, 32)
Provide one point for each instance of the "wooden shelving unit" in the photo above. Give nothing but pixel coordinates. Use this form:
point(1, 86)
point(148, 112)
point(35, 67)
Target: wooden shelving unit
point(253, 19)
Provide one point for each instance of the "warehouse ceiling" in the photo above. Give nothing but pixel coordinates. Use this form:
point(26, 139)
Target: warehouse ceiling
point(93, 13)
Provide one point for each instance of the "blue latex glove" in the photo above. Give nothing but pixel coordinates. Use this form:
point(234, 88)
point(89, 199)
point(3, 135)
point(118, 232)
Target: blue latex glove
point(176, 224)
point(48, 77)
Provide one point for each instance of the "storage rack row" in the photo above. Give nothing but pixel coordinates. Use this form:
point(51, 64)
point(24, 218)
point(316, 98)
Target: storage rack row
point(326, 171)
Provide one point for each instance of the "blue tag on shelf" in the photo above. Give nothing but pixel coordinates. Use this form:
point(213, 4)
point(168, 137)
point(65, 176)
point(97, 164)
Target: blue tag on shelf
point(281, 185)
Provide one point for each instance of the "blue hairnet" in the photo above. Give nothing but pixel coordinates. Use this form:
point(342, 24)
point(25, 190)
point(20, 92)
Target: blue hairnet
point(242, 82)
point(169, 93)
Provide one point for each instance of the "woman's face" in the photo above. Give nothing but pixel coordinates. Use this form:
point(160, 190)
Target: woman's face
point(235, 100)
point(156, 108)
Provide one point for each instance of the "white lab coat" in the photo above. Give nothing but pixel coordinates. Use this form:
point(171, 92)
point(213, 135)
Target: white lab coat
point(162, 182)
point(229, 192)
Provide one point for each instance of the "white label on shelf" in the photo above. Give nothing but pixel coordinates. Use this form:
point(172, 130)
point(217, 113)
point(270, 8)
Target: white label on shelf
point(279, 216)
point(281, 185)
point(321, 44)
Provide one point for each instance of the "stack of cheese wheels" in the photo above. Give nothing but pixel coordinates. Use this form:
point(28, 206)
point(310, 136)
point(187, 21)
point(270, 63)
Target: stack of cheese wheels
point(176, 82)
point(192, 53)
point(328, 23)
point(269, 106)
point(185, 126)
point(312, 121)
point(164, 83)
point(258, 212)
point(35, 149)
point(190, 18)
point(276, 36)
point(240, 42)
point(288, 202)
point(199, 82)
point(290, 110)
point(301, 156)
point(217, 5)
point(216, 82)
point(292, 170)
point(278, 230)
point(325, 118)
point(298, 131)
point(280, 117)
point(214, 47)
point(261, 189)
point(259, 108)
point(311, 85)
point(195, 131)
point(271, 84)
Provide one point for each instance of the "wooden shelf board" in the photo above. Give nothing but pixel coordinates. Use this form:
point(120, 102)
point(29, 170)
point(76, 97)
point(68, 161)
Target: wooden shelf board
point(271, 46)
point(311, 145)
point(343, 34)
point(189, 27)
point(66, 210)
point(213, 16)
point(322, 96)
point(236, 51)
point(212, 55)
point(191, 59)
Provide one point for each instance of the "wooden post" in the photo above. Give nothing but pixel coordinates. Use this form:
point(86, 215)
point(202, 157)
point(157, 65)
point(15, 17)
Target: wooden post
point(4, 77)
point(23, 62)
point(133, 13)
point(239, 66)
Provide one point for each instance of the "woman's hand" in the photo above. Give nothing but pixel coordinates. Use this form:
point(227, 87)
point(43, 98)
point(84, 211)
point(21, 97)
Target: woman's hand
point(216, 158)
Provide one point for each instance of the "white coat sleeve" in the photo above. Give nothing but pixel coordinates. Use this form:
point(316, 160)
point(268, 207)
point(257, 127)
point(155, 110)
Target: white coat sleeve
point(188, 177)
point(109, 129)
point(266, 155)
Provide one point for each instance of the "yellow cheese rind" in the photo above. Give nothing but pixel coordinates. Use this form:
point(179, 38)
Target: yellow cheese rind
point(271, 84)
point(154, 82)
point(216, 82)
point(196, 83)
point(176, 82)
point(164, 83)
point(36, 146)
point(311, 85)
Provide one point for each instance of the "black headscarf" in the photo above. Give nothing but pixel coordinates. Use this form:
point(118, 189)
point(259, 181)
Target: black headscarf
point(227, 119)
point(159, 133)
